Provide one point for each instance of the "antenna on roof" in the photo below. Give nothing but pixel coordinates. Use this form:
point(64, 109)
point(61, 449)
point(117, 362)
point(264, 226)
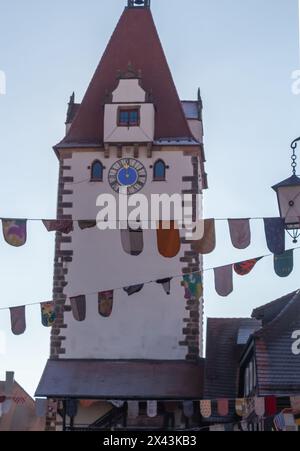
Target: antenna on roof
point(138, 4)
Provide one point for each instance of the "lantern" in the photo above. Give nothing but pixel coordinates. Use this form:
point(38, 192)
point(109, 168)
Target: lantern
point(288, 196)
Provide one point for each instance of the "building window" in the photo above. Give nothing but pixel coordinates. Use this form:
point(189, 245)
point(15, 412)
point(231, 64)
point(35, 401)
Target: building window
point(97, 171)
point(128, 117)
point(159, 171)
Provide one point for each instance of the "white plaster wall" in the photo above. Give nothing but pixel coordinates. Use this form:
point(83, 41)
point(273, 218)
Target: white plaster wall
point(143, 133)
point(129, 90)
point(147, 325)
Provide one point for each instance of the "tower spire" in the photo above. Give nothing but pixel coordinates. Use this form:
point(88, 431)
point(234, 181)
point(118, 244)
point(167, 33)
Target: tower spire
point(138, 4)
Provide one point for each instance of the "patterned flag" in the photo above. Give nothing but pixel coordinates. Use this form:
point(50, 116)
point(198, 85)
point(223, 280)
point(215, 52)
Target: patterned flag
point(78, 305)
point(65, 226)
point(275, 235)
point(105, 303)
point(15, 231)
point(244, 268)
point(48, 313)
point(284, 263)
point(193, 286)
point(205, 408)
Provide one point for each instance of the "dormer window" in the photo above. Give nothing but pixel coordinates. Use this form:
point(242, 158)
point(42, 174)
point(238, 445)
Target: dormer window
point(97, 171)
point(128, 117)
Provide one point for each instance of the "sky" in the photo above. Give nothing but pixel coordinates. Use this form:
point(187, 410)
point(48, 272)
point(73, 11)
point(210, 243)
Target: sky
point(240, 53)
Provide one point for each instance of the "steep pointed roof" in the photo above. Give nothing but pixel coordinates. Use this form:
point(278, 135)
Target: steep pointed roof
point(136, 41)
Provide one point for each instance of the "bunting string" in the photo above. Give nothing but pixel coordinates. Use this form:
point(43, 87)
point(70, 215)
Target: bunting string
point(241, 268)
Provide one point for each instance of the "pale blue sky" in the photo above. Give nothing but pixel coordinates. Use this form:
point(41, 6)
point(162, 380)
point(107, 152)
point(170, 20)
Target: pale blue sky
point(241, 54)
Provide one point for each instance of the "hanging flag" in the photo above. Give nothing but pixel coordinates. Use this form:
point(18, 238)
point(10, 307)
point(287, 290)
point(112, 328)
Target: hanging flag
point(151, 409)
point(117, 403)
point(41, 407)
point(105, 303)
point(244, 268)
point(132, 241)
point(87, 224)
point(284, 263)
point(168, 239)
point(133, 289)
point(275, 235)
point(48, 313)
point(223, 407)
point(240, 233)
point(295, 404)
point(271, 405)
point(224, 280)
point(166, 283)
point(86, 403)
point(205, 408)
point(240, 406)
point(188, 409)
point(208, 243)
point(15, 231)
point(78, 305)
point(65, 226)
point(193, 286)
point(259, 406)
point(18, 321)
point(133, 409)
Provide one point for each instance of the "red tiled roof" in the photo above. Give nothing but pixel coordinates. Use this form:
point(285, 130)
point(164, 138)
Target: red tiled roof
point(136, 41)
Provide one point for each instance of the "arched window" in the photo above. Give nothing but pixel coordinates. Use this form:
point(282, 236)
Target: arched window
point(97, 171)
point(159, 171)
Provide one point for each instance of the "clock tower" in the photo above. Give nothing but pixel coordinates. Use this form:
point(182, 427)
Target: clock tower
point(126, 347)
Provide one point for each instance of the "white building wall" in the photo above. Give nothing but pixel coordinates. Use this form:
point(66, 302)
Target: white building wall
point(147, 325)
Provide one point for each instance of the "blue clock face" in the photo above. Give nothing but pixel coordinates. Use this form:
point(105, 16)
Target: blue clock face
point(127, 172)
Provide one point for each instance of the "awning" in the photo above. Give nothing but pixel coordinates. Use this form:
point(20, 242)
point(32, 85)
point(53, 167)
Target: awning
point(123, 379)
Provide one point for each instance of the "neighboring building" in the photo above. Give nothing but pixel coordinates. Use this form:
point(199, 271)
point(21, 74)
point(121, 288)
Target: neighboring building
point(257, 357)
point(150, 347)
point(17, 408)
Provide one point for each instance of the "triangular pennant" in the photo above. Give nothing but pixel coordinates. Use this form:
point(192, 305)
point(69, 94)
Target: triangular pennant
point(87, 224)
point(284, 263)
point(48, 313)
point(208, 243)
point(65, 226)
point(224, 280)
point(205, 408)
point(15, 231)
point(244, 268)
point(78, 305)
point(168, 239)
point(18, 321)
point(223, 407)
point(132, 241)
point(275, 234)
point(193, 286)
point(133, 289)
point(105, 303)
point(166, 284)
point(240, 233)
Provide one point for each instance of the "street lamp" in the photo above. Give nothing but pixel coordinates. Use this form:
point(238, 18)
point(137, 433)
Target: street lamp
point(288, 196)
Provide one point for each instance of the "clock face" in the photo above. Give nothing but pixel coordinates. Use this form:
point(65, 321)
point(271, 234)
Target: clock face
point(127, 172)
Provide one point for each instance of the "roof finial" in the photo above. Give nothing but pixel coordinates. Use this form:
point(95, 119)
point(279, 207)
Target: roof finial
point(138, 4)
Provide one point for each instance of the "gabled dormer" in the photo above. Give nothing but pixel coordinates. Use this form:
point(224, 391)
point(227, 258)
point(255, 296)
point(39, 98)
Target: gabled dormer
point(129, 114)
